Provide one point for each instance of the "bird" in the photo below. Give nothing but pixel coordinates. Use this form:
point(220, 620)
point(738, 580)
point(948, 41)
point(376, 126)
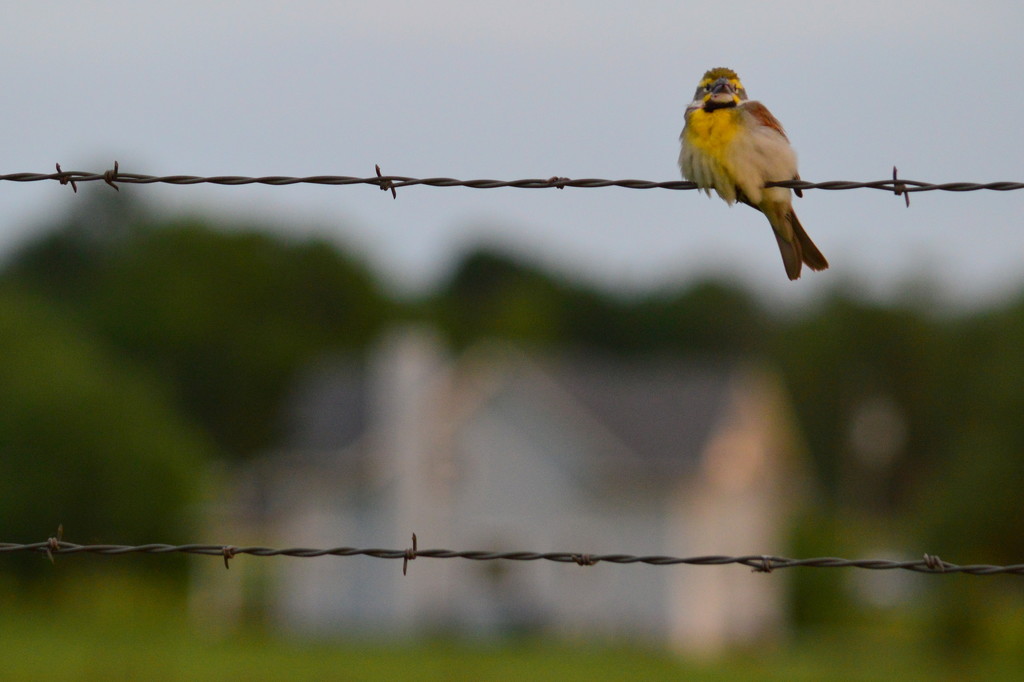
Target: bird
point(735, 145)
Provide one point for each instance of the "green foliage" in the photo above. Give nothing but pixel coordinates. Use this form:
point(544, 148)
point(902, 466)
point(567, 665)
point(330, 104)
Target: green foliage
point(84, 440)
point(227, 315)
point(105, 627)
point(846, 353)
point(492, 295)
point(970, 504)
point(819, 597)
point(709, 318)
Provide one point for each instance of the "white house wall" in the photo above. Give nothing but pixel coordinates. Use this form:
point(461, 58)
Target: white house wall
point(524, 485)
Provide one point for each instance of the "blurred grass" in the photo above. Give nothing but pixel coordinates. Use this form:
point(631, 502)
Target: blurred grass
point(112, 627)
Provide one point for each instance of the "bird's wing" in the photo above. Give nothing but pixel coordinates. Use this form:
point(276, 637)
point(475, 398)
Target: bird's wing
point(763, 116)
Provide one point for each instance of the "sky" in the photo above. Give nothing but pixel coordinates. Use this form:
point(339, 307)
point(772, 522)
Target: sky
point(528, 89)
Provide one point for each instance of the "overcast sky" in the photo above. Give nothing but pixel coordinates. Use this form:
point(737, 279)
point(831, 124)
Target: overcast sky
point(535, 89)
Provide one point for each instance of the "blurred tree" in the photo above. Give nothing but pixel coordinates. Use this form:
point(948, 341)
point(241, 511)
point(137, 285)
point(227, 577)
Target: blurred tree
point(845, 364)
point(493, 295)
point(971, 502)
point(228, 314)
point(708, 318)
point(84, 439)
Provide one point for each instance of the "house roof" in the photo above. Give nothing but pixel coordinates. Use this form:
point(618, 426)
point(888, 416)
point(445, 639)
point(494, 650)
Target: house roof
point(328, 408)
point(661, 410)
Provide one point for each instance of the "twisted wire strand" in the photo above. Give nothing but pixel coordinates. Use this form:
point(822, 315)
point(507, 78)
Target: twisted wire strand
point(757, 562)
point(393, 182)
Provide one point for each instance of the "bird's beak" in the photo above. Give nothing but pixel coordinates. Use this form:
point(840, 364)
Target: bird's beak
point(721, 85)
point(722, 91)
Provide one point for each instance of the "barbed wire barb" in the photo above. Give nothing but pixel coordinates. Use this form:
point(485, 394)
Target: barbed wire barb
point(410, 554)
point(53, 543)
point(899, 188)
point(385, 183)
point(934, 563)
point(229, 554)
point(64, 178)
point(110, 176)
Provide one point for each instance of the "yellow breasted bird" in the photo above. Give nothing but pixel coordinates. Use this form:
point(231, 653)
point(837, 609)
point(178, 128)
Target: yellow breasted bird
point(734, 146)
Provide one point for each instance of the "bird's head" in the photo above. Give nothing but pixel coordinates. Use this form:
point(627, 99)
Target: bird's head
point(718, 89)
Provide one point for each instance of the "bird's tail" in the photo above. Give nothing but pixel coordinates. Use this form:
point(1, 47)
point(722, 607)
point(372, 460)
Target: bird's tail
point(808, 251)
point(795, 245)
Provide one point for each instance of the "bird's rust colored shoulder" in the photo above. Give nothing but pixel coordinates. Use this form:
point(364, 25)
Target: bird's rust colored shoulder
point(763, 116)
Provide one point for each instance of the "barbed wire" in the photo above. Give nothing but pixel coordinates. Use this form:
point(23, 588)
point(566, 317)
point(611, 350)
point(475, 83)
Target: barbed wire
point(392, 183)
point(758, 562)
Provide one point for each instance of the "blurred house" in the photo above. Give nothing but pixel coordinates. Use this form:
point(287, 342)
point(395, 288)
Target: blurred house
point(502, 450)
